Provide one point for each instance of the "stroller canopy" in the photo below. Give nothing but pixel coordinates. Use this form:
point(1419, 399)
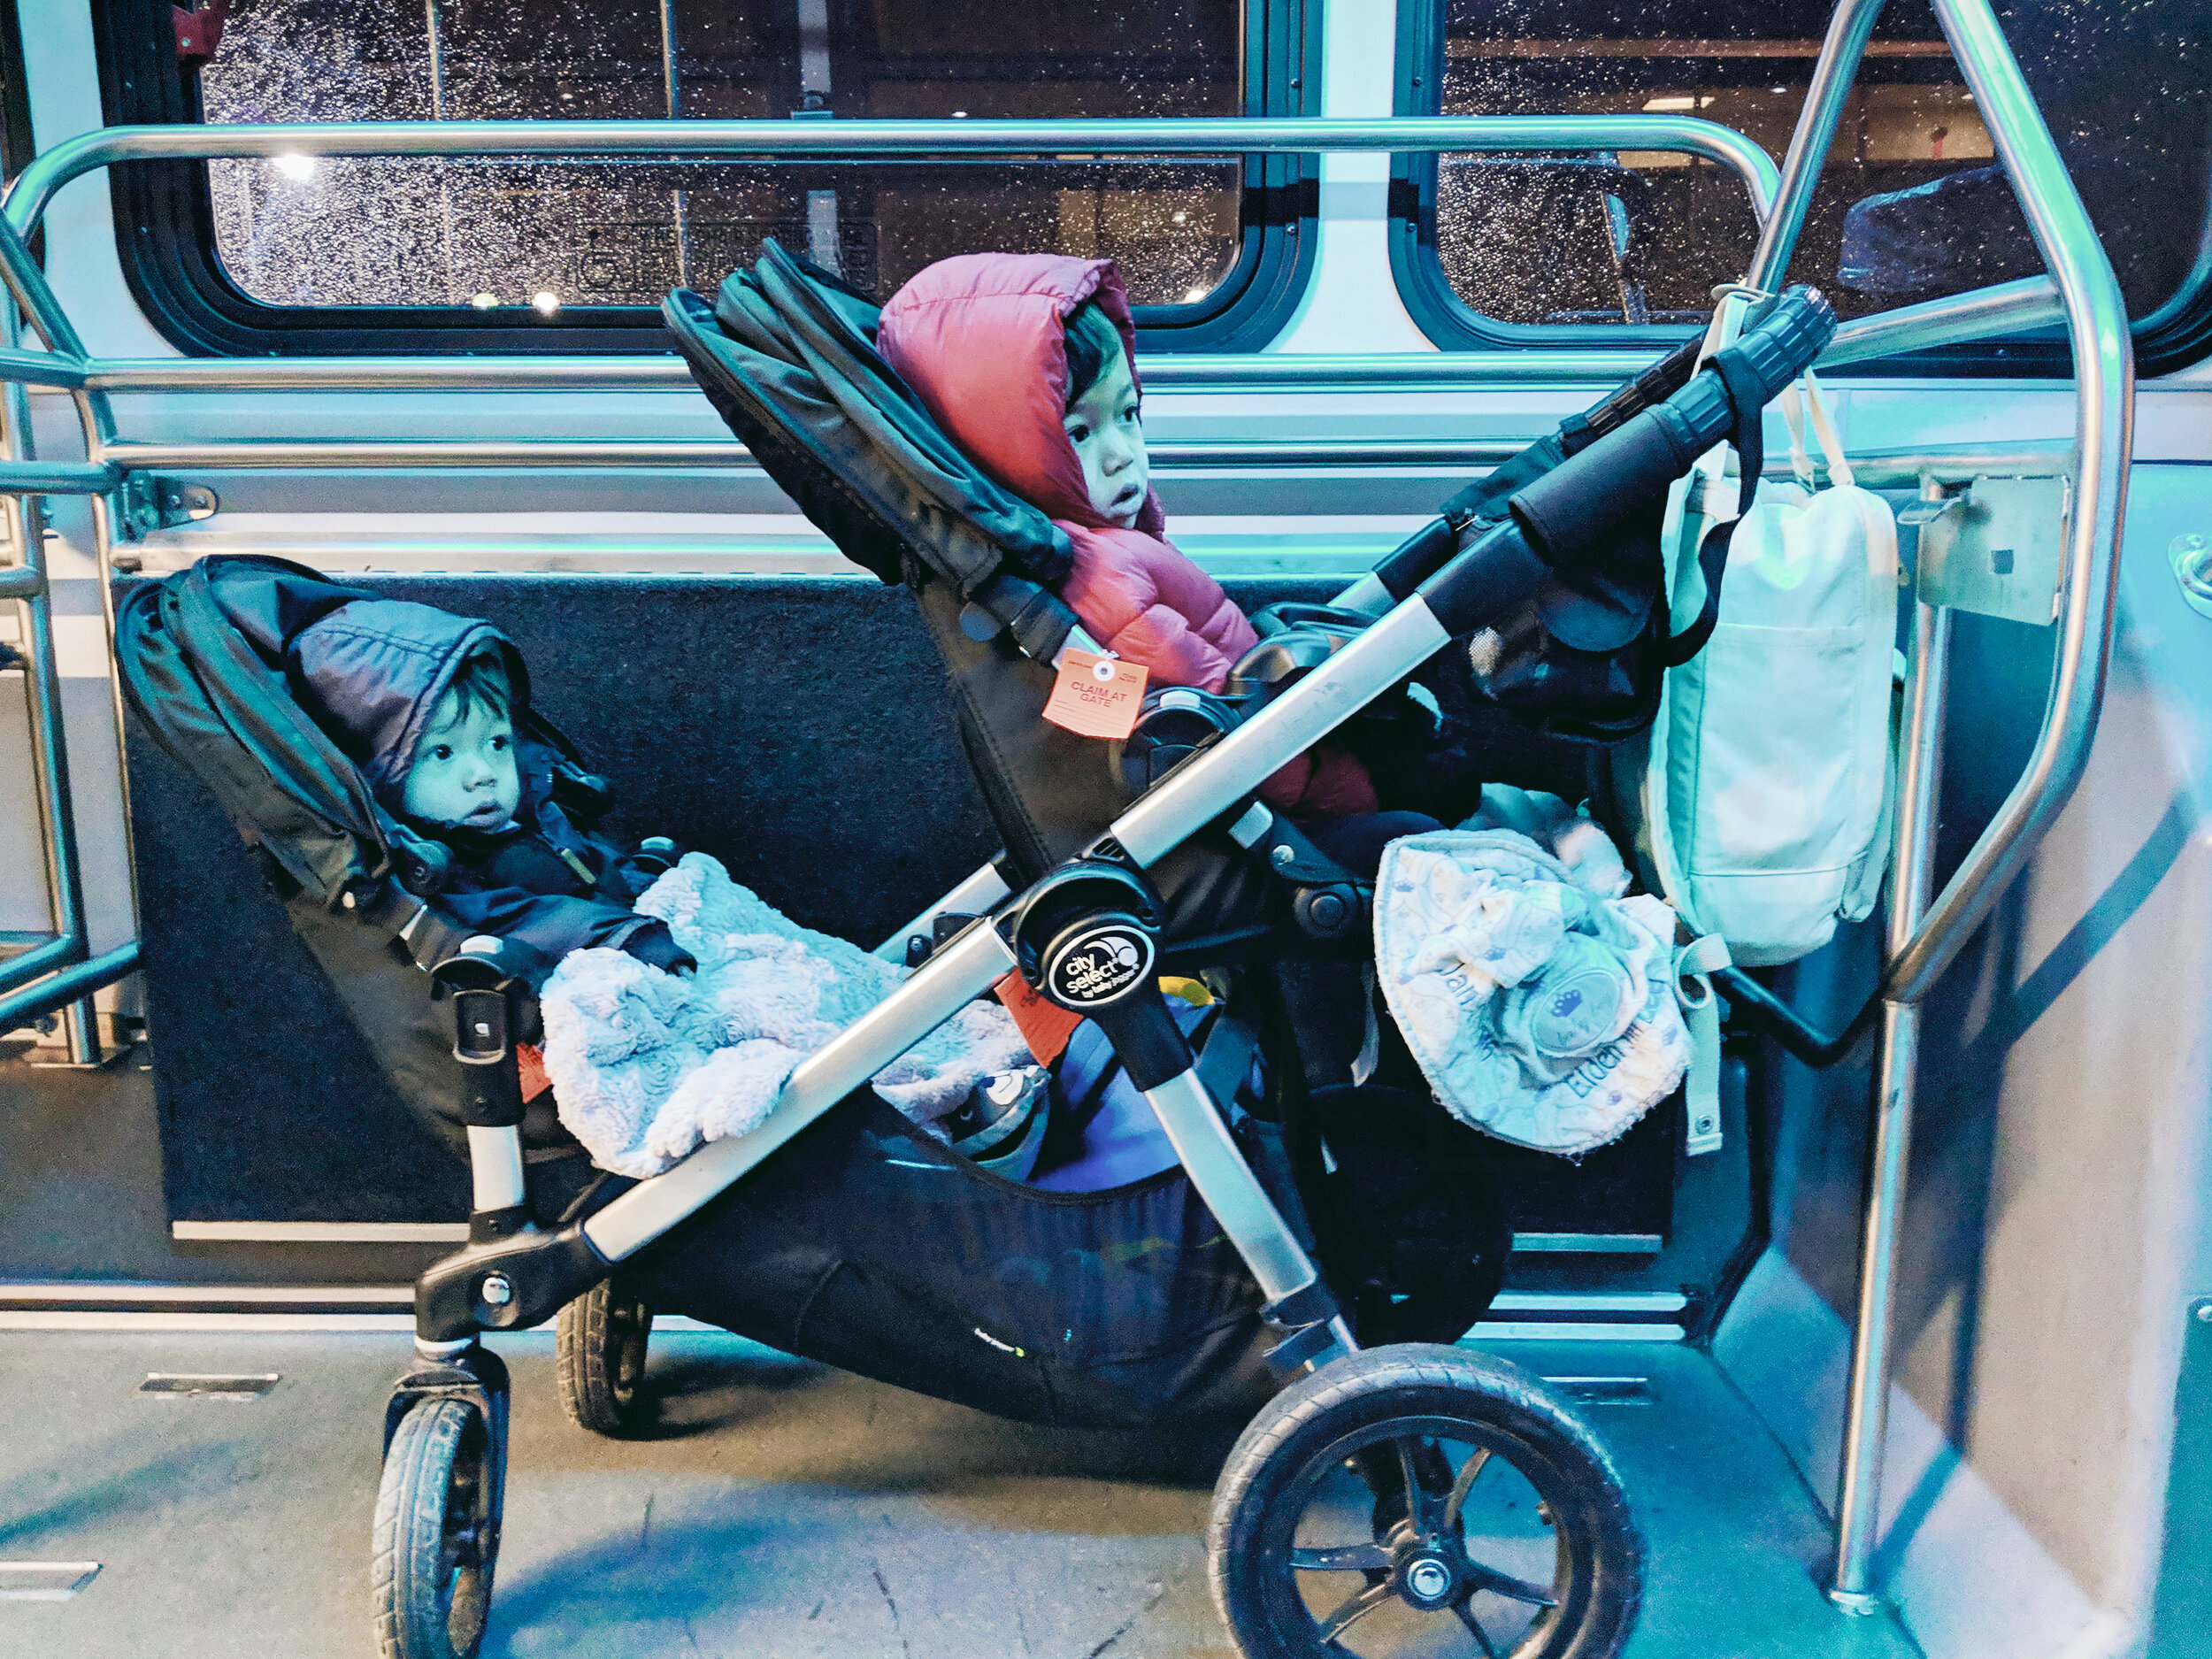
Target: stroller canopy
point(202, 656)
point(784, 354)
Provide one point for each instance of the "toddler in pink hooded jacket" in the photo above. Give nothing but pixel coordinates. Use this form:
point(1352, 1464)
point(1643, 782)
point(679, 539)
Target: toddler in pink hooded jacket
point(986, 340)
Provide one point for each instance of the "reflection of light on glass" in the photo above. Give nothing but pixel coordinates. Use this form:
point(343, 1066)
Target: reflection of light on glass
point(296, 167)
point(546, 300)
point(483, 302)
point(1196, 294)
point(1778, 89)
point(960, 115)
point(1659, 105)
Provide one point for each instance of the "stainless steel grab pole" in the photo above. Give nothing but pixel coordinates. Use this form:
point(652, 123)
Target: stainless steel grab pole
point(49, 748)
point(2104, 399)
point(1912, 877)
point(46, 313)
point(2006, 308)
point(34, 187)
point(1922, 947)
point(1833, 73)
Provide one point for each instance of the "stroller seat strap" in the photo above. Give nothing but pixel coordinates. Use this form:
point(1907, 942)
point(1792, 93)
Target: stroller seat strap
point(427, 936)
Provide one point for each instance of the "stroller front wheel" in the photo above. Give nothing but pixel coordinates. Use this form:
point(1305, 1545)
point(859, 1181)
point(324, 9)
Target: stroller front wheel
point(436, 1543)
point(1423, 1499)
point(599, 1350)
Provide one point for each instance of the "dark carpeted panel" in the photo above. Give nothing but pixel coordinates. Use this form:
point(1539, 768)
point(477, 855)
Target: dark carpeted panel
point(271, 1108)
point(800, 730)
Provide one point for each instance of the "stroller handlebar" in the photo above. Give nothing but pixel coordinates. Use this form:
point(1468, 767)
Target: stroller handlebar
point(1788, 333)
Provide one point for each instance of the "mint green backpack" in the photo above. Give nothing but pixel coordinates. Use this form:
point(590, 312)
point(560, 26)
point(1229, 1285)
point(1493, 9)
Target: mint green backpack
point(1765, 792)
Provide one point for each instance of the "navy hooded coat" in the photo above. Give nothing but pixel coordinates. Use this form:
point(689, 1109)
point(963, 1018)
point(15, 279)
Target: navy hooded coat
point(372, 673)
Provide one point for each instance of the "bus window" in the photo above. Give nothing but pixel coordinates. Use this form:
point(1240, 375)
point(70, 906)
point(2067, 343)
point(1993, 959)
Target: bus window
point(571, 255)
point(1911, 205)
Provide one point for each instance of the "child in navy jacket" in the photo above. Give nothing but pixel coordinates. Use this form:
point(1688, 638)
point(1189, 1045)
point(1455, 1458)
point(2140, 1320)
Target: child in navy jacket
point(427, 704)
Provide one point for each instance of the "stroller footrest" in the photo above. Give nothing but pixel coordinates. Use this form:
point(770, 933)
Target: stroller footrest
point(1310, 1306)
point(1315, 1327)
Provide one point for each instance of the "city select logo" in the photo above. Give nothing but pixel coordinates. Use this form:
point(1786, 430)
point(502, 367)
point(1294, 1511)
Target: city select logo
point(1099, 966)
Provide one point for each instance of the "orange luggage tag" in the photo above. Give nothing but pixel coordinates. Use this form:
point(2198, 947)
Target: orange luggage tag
point(1097, 697)
point(530, 1060)
point(1045, 1026)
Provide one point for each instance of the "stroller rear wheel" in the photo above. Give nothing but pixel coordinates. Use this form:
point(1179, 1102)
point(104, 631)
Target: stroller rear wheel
point(435, 1549)
point(1421, 1499)
point(599, 1350)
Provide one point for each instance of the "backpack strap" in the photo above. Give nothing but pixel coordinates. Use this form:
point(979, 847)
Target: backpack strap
point(1694, 963)
point(1746, 393)
point(1840, 472)
point(1793, 417)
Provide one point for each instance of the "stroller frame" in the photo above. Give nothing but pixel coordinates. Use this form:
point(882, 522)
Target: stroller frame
point(1448, 581)
point(506, 1279)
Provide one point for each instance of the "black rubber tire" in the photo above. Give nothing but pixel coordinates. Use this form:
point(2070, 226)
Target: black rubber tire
point(599, 1349)
point(1600, 1573)
point(429, 1604)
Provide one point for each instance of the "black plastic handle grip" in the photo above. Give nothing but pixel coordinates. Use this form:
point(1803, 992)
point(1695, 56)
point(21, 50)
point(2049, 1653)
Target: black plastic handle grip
point(1642, 443)
point(1586, 500)
point(1786, 335)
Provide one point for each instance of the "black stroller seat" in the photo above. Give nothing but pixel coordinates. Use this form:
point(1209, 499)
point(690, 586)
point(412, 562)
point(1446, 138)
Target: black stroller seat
point(869, 1245)
point(786, 356)
point(836, 1230)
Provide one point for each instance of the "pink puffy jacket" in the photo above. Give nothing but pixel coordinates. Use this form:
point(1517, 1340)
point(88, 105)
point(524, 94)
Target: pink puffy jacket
point(982, 340)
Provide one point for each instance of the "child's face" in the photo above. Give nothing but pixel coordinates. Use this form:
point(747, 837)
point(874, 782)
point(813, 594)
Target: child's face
point(463, 774)
point(1108, 433)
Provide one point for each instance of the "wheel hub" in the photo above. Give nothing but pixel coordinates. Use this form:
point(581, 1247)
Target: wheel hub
point(1427, 1581)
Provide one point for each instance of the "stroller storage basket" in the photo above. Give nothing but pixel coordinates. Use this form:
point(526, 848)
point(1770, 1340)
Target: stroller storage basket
point(866, 1244)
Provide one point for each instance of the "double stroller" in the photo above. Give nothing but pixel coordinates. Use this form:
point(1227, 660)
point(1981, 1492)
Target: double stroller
point(1308, 1266)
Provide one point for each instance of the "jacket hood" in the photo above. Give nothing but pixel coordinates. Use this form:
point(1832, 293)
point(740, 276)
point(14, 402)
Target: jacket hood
point(982, 340)
point(372, 673)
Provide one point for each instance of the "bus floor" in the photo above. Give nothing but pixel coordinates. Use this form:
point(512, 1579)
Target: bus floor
point(772, 1509)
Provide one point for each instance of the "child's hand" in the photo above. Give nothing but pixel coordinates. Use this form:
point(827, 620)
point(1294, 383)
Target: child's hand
point(657, 947)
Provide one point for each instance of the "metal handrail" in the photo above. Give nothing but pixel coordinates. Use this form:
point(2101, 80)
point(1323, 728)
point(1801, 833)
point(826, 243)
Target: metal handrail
point(1878, 469)
point(27, 585)
point(1849, 27)
point(1922, 945)
point(2104, 395)
point(841, 139)
point(65, 365)
point(2007, 308)
point(41, 369)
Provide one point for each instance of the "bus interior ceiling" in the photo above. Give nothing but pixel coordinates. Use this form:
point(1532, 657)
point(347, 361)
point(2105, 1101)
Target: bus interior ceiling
point(441, 379)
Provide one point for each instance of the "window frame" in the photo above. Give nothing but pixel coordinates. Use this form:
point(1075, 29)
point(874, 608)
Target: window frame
point(165, 235)
point(2176, 335)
